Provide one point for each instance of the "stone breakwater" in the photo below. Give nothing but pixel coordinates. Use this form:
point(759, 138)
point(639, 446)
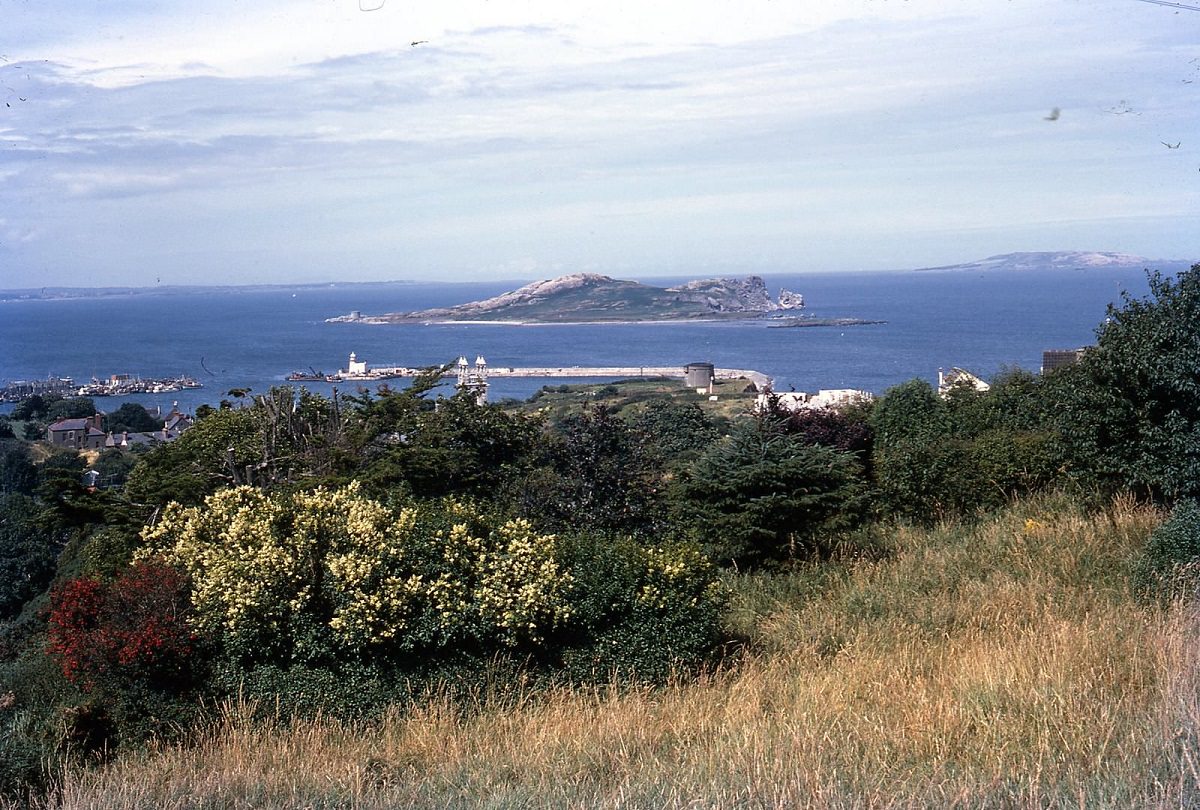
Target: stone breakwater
point(757, 377)
point(378, 373)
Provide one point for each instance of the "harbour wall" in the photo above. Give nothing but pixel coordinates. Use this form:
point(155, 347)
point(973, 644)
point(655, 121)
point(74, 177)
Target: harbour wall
point(623, 372)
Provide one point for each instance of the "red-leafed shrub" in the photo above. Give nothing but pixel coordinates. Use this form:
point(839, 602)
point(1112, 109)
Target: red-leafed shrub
point(134, 628)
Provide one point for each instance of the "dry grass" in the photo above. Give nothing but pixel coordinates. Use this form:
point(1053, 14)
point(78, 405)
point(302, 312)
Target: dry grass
point(1001, 666)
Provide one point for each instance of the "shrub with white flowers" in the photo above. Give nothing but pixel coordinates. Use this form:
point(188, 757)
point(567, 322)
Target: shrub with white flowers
point(268, 570)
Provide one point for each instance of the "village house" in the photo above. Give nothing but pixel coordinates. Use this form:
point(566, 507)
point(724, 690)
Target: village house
point(175, 423)
point(78, 434)
point(961, 378)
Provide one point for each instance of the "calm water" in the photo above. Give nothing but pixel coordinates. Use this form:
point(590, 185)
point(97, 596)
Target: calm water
point(982, 322)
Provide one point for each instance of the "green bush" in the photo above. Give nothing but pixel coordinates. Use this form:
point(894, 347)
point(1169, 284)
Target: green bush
point(298, 690)
point(760, 496)
point(968, 452)
point(640, 613)
point(676, 432)
point(333, 575)
point(1169, 565)
point(344, 598)
point(596, 473)
point(32, 723)
point(1129, 411)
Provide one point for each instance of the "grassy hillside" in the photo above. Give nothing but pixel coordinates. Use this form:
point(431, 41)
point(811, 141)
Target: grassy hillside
point(1000, 665)
point(630, 396)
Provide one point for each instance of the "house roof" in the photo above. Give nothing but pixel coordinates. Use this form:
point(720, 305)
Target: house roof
point(71, 424)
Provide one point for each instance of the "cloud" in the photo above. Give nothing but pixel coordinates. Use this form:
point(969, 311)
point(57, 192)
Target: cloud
point(517, 132)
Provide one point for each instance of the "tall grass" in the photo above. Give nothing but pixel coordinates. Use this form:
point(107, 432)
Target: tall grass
point(1000, 665)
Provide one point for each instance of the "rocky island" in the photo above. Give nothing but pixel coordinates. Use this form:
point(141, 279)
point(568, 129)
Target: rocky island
point(594, 298)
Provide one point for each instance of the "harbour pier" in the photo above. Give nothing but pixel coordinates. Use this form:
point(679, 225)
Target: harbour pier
point(757, 377)
point(359, 371)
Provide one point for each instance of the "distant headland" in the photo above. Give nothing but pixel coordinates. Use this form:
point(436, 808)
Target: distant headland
point(1041, 261)
point(66, 293)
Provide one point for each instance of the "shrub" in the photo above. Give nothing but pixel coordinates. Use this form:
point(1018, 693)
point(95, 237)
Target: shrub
point(1129, 410)
point(333, 575)
point(970, 451)
point(73, 408)
point(29, 548)
point(676, 431)
point(597, 474)
point(761, 496)
point(113, 634)
point(1169, 565)
point(330, 588)
point(639, 612)
point(133, 418)
point(127, 644)
point(17, 471)
point(28, 722)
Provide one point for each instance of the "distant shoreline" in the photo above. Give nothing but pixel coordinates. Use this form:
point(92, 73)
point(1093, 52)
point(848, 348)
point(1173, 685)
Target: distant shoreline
point(86, 293)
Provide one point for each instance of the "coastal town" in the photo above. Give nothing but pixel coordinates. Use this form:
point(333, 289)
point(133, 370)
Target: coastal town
point(116, 385)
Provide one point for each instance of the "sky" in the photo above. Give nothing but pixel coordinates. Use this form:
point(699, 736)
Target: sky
point(256, 141)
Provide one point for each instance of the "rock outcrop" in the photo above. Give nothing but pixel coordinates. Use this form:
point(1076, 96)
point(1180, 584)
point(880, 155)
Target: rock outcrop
point(727, 294)
point(790, 300)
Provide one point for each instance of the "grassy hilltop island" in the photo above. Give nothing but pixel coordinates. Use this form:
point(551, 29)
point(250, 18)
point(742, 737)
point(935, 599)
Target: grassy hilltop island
point(596, 298)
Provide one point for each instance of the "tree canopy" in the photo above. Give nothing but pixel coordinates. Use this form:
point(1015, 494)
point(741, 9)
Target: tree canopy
point(1130, 410)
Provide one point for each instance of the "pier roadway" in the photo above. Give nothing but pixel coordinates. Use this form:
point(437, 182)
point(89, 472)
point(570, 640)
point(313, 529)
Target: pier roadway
point(621, 372)
point(757, 377)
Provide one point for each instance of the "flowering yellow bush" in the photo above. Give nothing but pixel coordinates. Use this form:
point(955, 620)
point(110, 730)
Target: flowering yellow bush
point(678, 573)
point(266, 570)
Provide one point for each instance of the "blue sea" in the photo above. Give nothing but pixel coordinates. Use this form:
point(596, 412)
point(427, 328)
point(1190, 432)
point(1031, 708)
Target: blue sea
point(253, 339)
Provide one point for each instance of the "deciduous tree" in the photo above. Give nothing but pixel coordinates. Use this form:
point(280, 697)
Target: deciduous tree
point(1130, 410)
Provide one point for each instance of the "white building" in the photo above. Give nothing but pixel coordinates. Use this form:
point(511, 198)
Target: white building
point(961, 377)
point(473, 379)
point(824, 398)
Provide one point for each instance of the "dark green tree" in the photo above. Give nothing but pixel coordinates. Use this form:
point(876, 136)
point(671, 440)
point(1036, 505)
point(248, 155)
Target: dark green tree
point(17, 471)
point(225, 448)
point(966, 452)
point(1130, 410)
point(761, 496)
point(32, 407)
point(455, 447)
point(595, 473)
point(29, 549)
point(921, 470)
point(133, 418)
point(676, 430)
point(114, 467)
point(73, 408)
point(305, 439)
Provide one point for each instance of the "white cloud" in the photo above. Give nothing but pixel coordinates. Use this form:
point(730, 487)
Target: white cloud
point(522, 129)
